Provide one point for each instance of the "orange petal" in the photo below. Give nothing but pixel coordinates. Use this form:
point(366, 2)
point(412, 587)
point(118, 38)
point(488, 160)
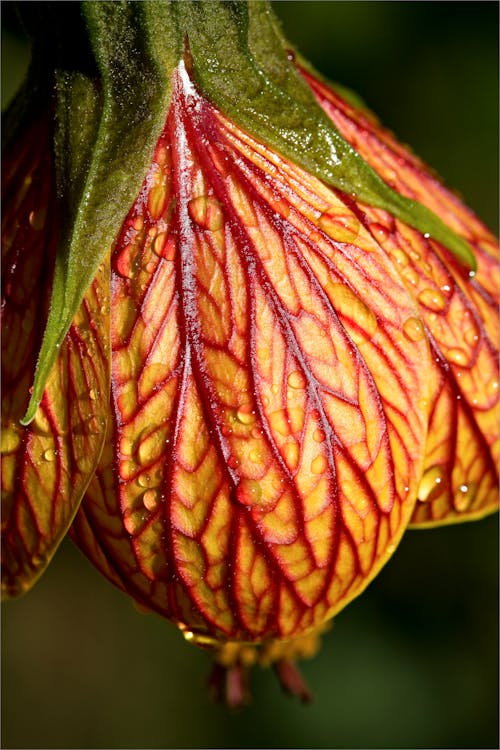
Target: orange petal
point(47, 465)
point(267, 438)
point(460, 316)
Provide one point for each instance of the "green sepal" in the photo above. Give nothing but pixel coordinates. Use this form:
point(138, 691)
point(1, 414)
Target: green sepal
point(246, 73)
point(101, 165)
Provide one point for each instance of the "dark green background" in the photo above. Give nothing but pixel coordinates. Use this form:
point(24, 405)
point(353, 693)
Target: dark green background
point(413, 663)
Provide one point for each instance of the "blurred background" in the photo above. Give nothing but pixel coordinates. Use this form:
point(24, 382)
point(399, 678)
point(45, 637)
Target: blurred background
point(413, 663)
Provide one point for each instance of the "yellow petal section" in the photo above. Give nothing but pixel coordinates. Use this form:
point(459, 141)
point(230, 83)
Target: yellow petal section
point(46, 466)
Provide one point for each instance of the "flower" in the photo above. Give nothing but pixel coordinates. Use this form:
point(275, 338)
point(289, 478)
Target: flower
point(279, 363)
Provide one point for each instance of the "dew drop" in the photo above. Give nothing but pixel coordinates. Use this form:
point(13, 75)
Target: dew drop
point(458, 357)
point(380, 232)
point(319, 465)
point(464, 496)
point(233, 462)
point(206, 212)
point(255, 455)
point(471, 336)
point(296, 380)
point(432, 299)
point(50, 455)
point(413, 329)
point(341, 227)
point(150, 500)
point(319, 435)
point(472, 274)
point(399, 256)
point(431, 485)
point(93, 394)
point(37, 219)
point(492, 387)
point(245, 414)
point(144, 480)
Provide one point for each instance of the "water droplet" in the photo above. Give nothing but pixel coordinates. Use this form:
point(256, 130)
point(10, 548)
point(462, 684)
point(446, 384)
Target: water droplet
point(472, 274)
point(144, 480)
point(399, 256)
point(319, 465)
point(471, 336)
point(233, 462)
point(255, 455)
point(50, 454)
point(206, 212)
point(413, 329)
point(431, 485)
point(37, 219)
point(426, 235)
point(458, 357)
point(381, 233)
point(464, 496)
point(150, 500)
point(341, 227)
point(410, 275)
point(432, 299)
point(245, 414)
point(93, 394)
point(248, 492)
point(138, 223)
point(492, 387)
point(296, 379)
point(319, 435)
point(414, 255)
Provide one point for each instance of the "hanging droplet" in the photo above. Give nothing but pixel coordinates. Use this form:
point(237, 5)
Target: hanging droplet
point(464, 496)
point(206, 212)
point(319, 465)
point(37, 219)
point(319, 435)
point(431, 485)
point(150, 500)
point(245, 414)
point(432, 299)
point(341, 227)
point(458, 357)
point(413, 329)
point(144, 480)
point(50, 454)
point(296, 379)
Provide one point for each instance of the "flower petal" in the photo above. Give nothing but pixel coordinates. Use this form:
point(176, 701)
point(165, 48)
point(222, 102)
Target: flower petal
point(266, 439)
point(47, 465)
point(460, 316)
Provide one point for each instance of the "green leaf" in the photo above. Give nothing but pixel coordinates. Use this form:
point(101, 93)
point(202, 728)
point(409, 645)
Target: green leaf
point(101, 165)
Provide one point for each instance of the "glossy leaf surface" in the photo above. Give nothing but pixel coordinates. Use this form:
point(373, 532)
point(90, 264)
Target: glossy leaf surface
point(460, 316)
point(267, 433)
point(46, 466)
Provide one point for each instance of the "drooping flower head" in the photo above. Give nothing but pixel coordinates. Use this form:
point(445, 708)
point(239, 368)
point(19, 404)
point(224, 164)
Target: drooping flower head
point(265, 335)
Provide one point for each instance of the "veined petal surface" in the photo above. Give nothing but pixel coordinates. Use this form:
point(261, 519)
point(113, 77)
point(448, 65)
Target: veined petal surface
point(460, 317)
point(47, 465)
point(267, 430)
